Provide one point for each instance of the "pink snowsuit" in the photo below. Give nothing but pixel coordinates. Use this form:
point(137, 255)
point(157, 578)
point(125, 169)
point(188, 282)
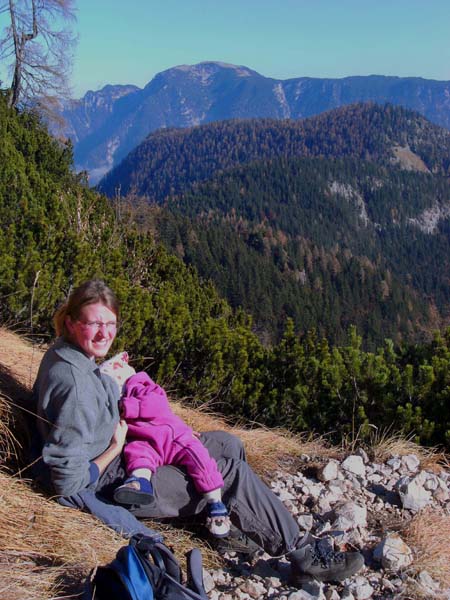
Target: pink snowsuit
point(157, 437)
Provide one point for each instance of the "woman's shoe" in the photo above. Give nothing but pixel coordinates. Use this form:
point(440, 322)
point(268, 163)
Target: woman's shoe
point(135, 490)
point(313, 561)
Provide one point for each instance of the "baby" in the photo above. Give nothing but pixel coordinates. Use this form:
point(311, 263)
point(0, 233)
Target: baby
point(156, 437)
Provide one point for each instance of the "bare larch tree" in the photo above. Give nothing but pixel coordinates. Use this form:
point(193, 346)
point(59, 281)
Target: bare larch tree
point(37, 47)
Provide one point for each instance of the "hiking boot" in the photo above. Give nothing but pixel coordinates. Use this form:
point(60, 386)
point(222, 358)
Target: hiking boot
point(236, 541)
point(135, 490)
point(314, 561)
point(218, 521)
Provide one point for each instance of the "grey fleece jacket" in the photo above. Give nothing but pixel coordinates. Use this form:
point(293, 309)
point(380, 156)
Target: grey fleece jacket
point(77, 413)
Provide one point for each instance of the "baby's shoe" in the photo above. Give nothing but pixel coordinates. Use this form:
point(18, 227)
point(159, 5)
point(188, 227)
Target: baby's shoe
point(135, 490)
point(218, 521)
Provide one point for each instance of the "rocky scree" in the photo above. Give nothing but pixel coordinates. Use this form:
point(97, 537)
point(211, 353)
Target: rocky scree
point(354, 504)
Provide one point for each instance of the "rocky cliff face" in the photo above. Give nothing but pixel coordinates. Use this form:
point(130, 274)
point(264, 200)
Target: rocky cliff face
point(108, 124)
point(85, 116)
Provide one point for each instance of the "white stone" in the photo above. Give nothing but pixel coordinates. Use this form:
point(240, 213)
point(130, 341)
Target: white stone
point(411, 462)
point(393, 553)
point(240, 595)
point(300, 595)
point(361, 588)
point(208, 581)
point(394, 463)
point(427, 582)
point(255, 589)
point(292, 508)
point(441, 493)
point(371, 497)
point(337, 486)
point(323, 505)
point(328, 472)
point(272, 582)
point(350, 513)
point(315, 490)
point(436, 485)
point(375, 478)
point(386, 584)
point(412, 493)
point(343, 523)
point(355, 538)
point(391, 483)
point(385, 470)
point(354, 464)
point(431, 483)
point(333, 495)
point(285, 495)
point(352, 482)
point(305, 521)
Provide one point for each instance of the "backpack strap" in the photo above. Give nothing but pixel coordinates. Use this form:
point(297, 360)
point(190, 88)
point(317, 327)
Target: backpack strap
point(195, 572)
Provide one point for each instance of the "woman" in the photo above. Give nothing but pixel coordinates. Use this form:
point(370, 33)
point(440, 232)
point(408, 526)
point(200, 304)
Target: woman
point(82, 437)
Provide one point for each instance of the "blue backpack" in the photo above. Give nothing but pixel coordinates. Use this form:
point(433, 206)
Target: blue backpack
point(146, 569)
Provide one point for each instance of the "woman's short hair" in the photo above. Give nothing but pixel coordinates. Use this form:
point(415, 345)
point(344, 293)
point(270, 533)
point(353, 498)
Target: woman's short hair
point(89, 292)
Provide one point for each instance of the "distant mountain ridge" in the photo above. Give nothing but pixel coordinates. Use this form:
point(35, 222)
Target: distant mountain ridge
point(106, 125)
point(170, 161)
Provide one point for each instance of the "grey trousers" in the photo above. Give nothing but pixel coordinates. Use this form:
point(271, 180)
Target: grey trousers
point(253, 507)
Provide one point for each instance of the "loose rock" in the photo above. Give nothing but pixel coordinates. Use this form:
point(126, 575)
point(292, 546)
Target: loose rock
point(354, 464)
point(393, 553)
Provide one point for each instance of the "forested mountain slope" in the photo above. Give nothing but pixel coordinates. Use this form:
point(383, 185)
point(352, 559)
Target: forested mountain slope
point(170, 161)
point(327, 242)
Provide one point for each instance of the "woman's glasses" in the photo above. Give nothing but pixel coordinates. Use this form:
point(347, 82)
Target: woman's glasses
point(97, 325)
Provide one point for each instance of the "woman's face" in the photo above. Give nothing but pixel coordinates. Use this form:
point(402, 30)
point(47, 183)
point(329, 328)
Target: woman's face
point(94, 330)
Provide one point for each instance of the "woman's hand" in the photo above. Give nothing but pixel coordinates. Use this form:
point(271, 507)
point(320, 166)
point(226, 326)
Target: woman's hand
point(115, 446)
point(119, 435)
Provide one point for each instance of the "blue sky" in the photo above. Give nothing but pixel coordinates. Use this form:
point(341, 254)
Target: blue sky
point(130, 41)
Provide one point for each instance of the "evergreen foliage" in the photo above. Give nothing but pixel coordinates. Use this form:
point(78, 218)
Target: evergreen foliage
point(171, 161)
point(328, 242)
point(54, 233)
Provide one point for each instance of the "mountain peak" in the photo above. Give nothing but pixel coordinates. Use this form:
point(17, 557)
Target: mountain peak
point(207, 69)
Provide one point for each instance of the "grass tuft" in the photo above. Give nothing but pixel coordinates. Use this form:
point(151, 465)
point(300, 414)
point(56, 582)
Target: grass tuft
point(428, 534)
point(385, 444)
